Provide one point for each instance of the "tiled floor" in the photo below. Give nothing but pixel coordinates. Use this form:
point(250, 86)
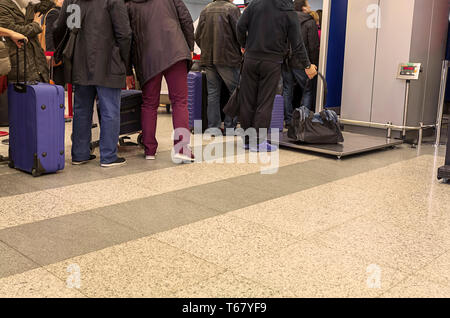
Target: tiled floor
point(376, 225)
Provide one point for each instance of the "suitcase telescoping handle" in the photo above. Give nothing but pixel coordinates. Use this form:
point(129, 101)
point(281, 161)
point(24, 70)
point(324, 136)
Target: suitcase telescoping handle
point(21, 87)
point(325, 88)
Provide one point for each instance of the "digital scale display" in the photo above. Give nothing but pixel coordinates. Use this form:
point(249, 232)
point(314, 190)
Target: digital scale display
point(409, 71)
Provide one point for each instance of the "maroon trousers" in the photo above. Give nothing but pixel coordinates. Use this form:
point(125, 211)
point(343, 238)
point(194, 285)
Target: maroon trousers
point(176, 77)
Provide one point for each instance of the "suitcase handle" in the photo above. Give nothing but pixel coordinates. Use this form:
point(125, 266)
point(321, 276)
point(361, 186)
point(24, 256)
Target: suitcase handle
point(325, 89)
point(21, 87)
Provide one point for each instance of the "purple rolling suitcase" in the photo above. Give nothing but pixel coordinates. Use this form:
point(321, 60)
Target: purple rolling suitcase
point(36, 118)
point(278, 113)
point(197, 99)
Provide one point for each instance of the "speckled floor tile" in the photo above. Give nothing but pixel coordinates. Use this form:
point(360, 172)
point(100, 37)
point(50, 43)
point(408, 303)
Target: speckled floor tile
point(33, 207)
point(56, 239)
point(418, 287)
point(102, 193)
point(229, 285)
point(385, 245)
point(140, 268)
point(226, 241)
point(437, 271)
point(310, 211)
point(308, 269)
point(37, 283)
point(157, 213)
point(12, 262)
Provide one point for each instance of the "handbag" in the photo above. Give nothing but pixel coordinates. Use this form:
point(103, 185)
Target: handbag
point(5, 62)
point(233, 107)
point(66, 49)
point(321, 128)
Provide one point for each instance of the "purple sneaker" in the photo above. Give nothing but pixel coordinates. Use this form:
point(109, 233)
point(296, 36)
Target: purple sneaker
point(264, 147)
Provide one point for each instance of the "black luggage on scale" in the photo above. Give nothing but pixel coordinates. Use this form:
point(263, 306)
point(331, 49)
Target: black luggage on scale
point(322, 128)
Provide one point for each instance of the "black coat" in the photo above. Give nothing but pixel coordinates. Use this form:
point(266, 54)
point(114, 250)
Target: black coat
point(102, 50)
point(58, 72)
point(267, 27)
point(163, 34)
point(310, 35)
point(216, 34)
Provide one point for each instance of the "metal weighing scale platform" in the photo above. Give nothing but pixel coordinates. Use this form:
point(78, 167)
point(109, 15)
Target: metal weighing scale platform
point(353, 144)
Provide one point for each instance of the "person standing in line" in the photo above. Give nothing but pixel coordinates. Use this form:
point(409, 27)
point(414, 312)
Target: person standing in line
point(100, 62)
point(291, 73)
point(163, 45)
point(51, 43)
point(265, 30)
point(24, 17)
point(221, 56)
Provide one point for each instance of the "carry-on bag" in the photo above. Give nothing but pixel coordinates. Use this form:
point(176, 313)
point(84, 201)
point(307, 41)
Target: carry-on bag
point(130, 112)
point(130, 119)
point(197, 99)
point(278, 113)
point(322, 128)
point(5, 63)
point(37, 127)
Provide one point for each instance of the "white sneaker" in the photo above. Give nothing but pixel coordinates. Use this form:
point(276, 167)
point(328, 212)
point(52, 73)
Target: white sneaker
point(150, 157)
point(184, 158)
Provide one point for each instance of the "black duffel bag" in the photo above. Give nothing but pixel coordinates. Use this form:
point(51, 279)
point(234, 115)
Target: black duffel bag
point(322, 128)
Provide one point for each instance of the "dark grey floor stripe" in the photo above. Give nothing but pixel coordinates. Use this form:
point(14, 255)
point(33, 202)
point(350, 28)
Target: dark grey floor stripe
point(54, 240)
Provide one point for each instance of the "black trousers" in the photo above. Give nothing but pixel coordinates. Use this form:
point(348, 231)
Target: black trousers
point(259, 84)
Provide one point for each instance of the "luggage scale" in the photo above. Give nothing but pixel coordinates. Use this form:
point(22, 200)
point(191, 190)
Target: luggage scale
point(353, 143)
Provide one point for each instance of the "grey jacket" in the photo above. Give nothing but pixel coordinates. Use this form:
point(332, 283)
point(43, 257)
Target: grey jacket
point(216, 34)
point(102, 50)
point(163, 34)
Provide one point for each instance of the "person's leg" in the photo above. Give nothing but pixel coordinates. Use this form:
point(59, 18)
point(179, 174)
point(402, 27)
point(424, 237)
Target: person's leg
point(82, 122)
point(267, 88)
point(288, 93)
point(248, 94)
point(109, 110)
point(307, 88)
point(176, 77)
point(214, 89)
point(151, 98)
point(230, 76)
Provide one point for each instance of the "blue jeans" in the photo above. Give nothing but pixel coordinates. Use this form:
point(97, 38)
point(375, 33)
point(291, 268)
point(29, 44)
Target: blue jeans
point(215, 75)
point(290, 76)
point(109, 116)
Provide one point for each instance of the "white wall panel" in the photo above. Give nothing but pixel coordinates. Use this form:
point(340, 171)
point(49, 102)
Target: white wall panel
point(359, 62)
point(393, 47)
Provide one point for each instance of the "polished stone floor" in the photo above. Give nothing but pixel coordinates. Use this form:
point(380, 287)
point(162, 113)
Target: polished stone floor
point(376, 225)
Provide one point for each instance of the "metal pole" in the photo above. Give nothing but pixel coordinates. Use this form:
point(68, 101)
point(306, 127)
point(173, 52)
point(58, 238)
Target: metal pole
point(389, 130)
point(323, 53)
point(440, 112)
point(405, 113)
point(420, 135)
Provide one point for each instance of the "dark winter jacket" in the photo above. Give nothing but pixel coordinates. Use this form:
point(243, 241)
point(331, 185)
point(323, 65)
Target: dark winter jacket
point(52, 16)
point(102, 49)
point(310, 35)
point(11, 17)
point(163, 34)
point(267, 27)
point(216, 34)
